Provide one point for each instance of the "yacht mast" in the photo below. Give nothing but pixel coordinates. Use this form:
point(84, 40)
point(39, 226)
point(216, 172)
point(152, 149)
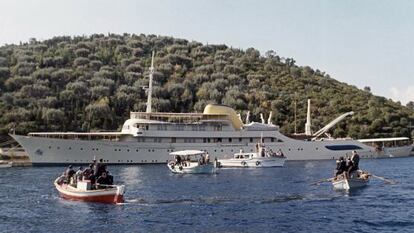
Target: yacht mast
point(308, 130)
point(149, 100)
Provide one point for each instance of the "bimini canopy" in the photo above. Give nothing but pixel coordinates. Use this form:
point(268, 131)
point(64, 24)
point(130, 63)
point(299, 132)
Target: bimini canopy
point(187, 152)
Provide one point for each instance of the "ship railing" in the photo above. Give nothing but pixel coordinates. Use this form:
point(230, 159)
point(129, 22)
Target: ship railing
point(81, 136)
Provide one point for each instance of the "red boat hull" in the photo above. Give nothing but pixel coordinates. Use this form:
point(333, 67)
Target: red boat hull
point(112, 195)
point(110, 199)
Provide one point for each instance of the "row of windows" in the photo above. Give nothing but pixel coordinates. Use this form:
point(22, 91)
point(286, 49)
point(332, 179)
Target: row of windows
point(182, 128)
point(208, 140)
point(153, 150)
point(119, 161)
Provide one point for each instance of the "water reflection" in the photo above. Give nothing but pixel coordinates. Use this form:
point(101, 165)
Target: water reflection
point(132, 176)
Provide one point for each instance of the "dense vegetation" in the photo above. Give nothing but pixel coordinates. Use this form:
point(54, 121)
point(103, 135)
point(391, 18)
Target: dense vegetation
point(89, 83)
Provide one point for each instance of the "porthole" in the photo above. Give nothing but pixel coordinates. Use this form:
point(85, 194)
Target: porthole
point(127, 150)
point(81, 148)
point(50, 147)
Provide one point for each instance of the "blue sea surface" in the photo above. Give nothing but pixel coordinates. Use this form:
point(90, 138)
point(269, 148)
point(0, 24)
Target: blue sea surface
point(234, 200)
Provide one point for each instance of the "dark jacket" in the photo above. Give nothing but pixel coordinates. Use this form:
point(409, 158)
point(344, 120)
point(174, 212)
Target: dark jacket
point(355, 160)
point(102, 180)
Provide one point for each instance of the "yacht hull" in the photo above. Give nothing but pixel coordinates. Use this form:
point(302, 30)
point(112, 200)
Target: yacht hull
point(50, 151)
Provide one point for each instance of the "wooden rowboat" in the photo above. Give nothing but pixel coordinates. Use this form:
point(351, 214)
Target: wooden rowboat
point(358, 181)
point(111, 194)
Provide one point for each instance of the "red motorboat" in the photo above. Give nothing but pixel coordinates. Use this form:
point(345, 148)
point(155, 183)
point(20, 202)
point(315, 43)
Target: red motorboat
point(111, 194)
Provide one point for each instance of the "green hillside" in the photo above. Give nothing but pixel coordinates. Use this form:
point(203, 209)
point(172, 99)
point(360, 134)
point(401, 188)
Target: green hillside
point(91, 83)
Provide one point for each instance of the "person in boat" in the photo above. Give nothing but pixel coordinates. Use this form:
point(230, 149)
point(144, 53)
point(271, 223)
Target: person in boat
point(279, 153)
point(88, 172)
point(69, 173)
point(99, 168)
point(354, 163)
point(103, 181)
point(207, 158)
point(110, 177)
point(340, 166)
point(78, 175)
point(177, 159)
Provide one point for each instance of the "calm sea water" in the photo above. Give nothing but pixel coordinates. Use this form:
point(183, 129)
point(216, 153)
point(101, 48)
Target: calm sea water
point(235, 200)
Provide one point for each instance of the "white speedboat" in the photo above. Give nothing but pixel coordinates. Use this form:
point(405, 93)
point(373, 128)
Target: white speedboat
point(261, 158)
point(4, 164)
point(191, 162)
point(359, 180)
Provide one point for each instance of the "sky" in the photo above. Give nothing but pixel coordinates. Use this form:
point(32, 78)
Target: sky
point(360, 42)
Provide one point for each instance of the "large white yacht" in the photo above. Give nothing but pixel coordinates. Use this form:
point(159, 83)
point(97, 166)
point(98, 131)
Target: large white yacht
point(149, 137)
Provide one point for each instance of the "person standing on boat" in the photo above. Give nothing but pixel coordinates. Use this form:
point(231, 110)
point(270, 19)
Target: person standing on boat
point(79, 174)
point(69, 173)
point(178, 159)
point(354, 163)
point(99, 168)
point(340, 166)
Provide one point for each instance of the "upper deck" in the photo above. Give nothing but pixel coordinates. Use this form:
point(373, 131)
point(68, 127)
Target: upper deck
point(185, 118)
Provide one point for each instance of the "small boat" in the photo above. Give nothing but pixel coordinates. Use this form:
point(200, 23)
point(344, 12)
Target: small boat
point(261, 158)
point(357, 180)
point(111, 194)
point(5, 164)
point(191, 162)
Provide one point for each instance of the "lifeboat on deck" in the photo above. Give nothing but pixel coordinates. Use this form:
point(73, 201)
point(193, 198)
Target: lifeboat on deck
point(111, 194)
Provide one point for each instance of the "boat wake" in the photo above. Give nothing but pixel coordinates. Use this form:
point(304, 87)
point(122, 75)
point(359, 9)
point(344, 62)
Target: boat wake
point(230, 200)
